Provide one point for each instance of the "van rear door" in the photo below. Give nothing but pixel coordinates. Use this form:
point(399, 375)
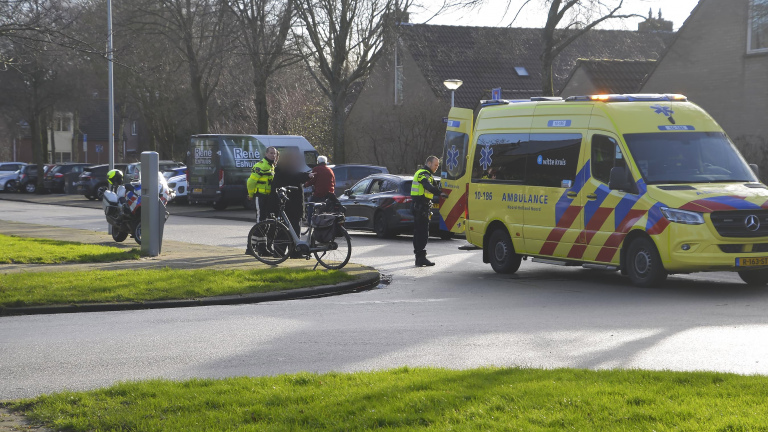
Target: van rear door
point(454, 175)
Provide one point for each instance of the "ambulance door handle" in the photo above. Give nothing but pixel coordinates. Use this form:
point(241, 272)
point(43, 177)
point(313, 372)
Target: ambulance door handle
point(592, 197)
point(572, 194)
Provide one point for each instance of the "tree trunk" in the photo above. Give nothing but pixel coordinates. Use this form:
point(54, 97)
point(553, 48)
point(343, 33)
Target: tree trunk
point(338, 118)
point(260, 102)
point(53, 140)
point(201, 104)
point(37, 155)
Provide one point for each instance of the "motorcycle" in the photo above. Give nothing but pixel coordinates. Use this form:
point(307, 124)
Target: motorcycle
point(122, 207)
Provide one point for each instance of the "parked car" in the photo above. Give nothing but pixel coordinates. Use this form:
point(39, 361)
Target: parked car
point(177, 181)
point(382, 203)
point(28, 177)
point(349, 174)
point(93, 180)
point(133, 170)
point(55, 180)
point(9, 175)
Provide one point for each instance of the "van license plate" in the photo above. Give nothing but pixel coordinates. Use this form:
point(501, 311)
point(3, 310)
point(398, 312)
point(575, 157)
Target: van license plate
point(197, 191)
point(751, 262)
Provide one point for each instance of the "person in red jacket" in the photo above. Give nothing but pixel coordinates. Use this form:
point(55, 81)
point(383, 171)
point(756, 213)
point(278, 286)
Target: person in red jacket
point(324, 182)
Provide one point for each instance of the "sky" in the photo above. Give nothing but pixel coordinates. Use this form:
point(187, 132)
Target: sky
point(492, 13)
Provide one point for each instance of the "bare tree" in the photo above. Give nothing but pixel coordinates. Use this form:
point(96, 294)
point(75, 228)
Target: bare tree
point(265, 26)
point(341, 40)
point(197, 31)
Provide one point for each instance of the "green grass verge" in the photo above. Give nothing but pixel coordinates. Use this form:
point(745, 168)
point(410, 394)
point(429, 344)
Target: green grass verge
point(47, 288)
point(23, 250)
point(420, 399)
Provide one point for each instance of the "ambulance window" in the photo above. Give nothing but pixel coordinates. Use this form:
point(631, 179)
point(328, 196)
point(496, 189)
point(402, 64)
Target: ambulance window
point(500, 157)
point(553, 158)
point(455, 154)
point(606, 154)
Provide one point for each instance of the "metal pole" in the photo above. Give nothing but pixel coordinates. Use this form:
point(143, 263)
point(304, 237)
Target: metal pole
point(110, 79)
point(452, 98)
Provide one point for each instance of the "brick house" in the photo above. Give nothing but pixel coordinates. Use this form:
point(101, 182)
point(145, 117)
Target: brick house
point(396, 120)
point(719, 59)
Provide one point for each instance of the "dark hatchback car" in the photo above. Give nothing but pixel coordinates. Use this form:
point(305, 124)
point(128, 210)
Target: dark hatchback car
point(28, 177)
point(93, 180)
point(349, 174)
point(382, 203)
point(55, 179)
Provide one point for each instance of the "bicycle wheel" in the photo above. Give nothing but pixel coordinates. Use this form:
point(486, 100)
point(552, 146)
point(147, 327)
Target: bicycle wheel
point(271, 242)
point(338, 253)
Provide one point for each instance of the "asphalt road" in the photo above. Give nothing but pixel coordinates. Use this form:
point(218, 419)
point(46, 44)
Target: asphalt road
point(458, 314)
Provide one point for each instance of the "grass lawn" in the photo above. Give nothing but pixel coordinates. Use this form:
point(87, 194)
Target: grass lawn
point(420, 399)
point(47, 288)
point(23, 250)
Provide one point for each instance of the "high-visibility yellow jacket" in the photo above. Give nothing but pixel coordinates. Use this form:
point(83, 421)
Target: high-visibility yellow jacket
point(260, 181)
point(417, 187)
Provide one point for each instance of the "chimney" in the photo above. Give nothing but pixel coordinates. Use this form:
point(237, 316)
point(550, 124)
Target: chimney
point(655, 24)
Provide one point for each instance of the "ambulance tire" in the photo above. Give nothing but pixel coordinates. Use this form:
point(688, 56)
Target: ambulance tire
point(754, 277)
point(644, 265)
point(501, 253)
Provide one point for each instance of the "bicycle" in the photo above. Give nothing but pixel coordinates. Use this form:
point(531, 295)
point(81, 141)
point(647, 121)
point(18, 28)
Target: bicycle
point(271, 241)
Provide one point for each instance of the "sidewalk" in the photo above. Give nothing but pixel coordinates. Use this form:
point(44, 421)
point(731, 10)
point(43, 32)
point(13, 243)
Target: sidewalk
point(177, 255)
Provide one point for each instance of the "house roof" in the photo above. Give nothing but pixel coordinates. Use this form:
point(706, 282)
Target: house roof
point(615, 76)
point(486, 57)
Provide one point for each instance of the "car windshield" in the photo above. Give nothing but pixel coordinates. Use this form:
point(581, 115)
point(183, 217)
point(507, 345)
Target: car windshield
point(688, 157)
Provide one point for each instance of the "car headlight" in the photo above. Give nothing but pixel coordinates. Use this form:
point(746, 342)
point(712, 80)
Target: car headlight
point(682, 216)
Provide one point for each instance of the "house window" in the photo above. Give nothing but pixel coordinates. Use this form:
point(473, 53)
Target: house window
point(62, 157)
point(134, 128)
point(62, 124)
point(398, 75)
point(757, 38)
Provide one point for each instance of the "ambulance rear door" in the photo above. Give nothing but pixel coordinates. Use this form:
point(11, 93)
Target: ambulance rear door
point(454, 178)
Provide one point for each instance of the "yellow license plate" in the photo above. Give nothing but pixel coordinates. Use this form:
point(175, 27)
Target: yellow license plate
point(197, 190)
point(751, 262)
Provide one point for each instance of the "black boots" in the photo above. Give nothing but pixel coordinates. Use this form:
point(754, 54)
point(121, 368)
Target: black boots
point(422, 261)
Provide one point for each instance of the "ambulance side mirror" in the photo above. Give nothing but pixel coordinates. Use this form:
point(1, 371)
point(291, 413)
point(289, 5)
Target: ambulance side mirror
point(755, 169)
point(621, 179)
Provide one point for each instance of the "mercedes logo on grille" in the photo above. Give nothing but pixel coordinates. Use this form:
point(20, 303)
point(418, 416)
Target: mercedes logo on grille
point(752, 223)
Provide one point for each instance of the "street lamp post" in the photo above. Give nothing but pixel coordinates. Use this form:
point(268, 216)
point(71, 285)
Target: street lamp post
point(452, 85)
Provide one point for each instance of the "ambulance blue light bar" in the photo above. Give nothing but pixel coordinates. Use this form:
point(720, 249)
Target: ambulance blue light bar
point(629, 98)
point(492, 102)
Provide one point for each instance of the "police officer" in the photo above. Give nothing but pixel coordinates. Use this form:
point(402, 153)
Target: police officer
point(260, 184)
point(423, 189)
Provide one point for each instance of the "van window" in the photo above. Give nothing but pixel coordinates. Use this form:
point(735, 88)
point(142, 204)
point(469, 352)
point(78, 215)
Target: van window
point(687, 157)
point(552, 159)
point(500, 157)
point(203, 151)
point(241, 152)
point(455, 154)
point(310, 158)
point(606, 154)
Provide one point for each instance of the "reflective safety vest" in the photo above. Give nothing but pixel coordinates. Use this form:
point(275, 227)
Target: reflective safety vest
point(260, 181)
point(417, 189)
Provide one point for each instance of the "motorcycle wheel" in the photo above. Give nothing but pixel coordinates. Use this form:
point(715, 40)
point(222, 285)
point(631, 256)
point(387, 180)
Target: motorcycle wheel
point(118, 236)
point(137, 233)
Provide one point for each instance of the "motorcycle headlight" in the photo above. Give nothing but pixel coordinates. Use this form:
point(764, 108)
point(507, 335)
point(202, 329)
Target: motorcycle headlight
point(682, 216)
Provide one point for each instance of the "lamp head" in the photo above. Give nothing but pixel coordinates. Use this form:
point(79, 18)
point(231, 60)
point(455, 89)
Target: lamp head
point(452, 84)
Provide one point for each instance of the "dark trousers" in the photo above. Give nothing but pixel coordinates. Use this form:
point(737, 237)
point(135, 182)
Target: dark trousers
point(264, 207)
point(421, 216)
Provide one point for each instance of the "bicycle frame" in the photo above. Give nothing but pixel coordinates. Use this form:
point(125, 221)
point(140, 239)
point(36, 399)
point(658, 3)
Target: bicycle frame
point(299, 245)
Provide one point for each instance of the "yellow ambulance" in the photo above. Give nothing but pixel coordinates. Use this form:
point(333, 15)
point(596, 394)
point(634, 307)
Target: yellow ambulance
point(646, 184)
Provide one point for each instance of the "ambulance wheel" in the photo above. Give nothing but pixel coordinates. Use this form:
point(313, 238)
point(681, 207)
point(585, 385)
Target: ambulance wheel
point(754, 277)
point(501, 253)
point(644, 265)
